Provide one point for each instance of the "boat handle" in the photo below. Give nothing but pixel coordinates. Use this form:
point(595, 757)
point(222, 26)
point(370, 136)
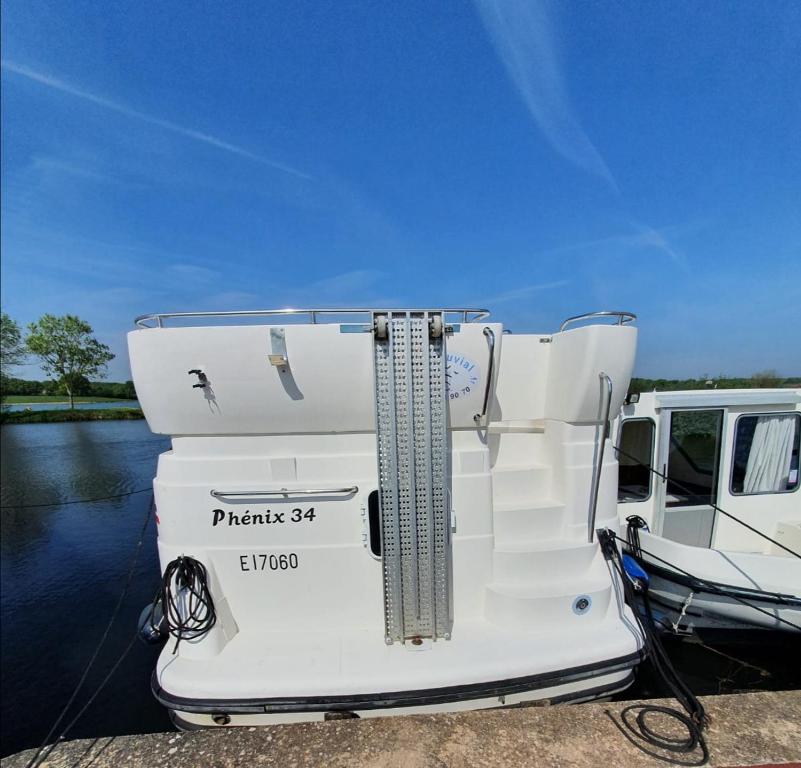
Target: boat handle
point(285, 492)
point(606, 383)
point(490, 334)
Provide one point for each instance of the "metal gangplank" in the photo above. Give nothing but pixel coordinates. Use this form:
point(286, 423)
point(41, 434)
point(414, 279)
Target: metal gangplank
point(412, 447)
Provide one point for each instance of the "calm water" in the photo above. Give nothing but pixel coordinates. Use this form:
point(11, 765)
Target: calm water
point(62, 570)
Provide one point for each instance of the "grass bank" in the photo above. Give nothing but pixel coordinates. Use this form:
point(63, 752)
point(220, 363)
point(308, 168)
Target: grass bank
point(34, 399)
point(85, 414)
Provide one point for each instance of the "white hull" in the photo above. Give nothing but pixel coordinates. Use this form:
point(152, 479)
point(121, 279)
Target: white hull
point(715, 476)
point(688, 608)
point(273, 483)
point(591, 687)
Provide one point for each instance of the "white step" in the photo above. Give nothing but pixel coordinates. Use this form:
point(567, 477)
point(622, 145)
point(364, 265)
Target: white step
point(547, 606)
point(519, 523)
point(516, 563)
point(525, 481)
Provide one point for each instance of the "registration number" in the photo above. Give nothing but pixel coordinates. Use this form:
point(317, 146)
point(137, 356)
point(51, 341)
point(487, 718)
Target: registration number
point(264, 562)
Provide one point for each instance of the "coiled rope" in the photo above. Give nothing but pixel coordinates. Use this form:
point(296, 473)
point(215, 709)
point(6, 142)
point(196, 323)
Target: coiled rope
point(185, 600)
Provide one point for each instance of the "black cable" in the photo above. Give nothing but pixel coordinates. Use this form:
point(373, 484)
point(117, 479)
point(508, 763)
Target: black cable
point(100, 644)
point(708, 586)
point(634, 717)
point(76, 501)
point(185, 600)
point(714, 506)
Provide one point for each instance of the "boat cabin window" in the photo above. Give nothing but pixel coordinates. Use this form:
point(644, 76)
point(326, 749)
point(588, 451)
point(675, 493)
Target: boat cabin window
point(374, 520)
point(766, 453)
point(635, 457)
point(693, 458)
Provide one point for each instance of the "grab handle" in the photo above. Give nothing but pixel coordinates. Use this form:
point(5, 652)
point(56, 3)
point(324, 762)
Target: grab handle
point(287, 492)
point(490, 334)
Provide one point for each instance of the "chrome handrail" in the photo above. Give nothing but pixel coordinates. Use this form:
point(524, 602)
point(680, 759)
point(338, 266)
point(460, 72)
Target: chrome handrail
point(285, 492)
point(490, 334)
point(596, 477)
point(622, 318)
point(156, 320)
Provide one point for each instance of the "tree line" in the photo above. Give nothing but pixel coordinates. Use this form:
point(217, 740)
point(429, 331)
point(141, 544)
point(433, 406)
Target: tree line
point(66, 350)
point(769, 379)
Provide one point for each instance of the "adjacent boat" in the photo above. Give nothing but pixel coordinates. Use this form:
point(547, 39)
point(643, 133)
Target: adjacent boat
point(370, 511)
point(715, 452)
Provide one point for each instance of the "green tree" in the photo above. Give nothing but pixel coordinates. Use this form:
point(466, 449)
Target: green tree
point(68, 351)
point(12, 348)
point(765, 379)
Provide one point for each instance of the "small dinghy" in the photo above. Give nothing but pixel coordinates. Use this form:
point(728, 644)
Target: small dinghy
point(370, 512)
point(709, 498)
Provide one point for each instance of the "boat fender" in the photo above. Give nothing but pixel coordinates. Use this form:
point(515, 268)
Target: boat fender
point(636, 573)
point(151, 625)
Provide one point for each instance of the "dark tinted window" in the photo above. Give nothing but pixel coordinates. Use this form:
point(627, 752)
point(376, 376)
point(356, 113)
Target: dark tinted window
point(374, 517)
point(634, 459)
point(693, 458)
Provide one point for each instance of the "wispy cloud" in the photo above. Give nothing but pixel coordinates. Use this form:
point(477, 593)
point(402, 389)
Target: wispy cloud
point(522, 293)
point(122, 109)
point(523, 36)
point(643, 237)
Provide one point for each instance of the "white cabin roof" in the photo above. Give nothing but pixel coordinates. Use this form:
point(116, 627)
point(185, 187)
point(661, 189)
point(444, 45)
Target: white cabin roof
point(697, 398)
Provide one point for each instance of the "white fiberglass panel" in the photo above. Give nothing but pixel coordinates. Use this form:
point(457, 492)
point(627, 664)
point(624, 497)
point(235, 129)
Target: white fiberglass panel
point(326, 386)
point(577, 357)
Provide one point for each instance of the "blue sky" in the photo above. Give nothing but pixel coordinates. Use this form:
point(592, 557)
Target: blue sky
point(541, 159)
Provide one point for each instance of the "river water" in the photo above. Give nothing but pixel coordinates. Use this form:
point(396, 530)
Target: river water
point(63, 567)
point(62, 570)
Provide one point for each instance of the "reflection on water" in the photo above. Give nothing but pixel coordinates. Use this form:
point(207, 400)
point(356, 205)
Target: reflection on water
point(62, 569)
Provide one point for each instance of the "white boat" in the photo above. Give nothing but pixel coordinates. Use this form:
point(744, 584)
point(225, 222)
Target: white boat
point(718, 452)
point(394, 510)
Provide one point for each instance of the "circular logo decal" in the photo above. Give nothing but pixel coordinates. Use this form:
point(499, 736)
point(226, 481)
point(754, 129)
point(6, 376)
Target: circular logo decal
point(461, 376)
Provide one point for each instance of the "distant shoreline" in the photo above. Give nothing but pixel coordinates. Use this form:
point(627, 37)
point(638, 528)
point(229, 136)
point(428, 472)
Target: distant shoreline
point(60, 400)
point(64, 415)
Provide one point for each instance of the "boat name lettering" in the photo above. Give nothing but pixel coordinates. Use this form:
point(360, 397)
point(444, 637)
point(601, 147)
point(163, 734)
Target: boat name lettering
point(265, 562)
point(268, 517)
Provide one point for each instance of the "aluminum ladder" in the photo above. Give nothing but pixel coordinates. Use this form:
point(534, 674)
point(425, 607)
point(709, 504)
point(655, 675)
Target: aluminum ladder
point(412, 447)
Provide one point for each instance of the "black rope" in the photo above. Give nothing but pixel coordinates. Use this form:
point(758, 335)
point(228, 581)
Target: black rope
point(185, 600)
point(76, 501)
point(705, 586)
point(634, 718)
point(714, 506)
point(38, 757)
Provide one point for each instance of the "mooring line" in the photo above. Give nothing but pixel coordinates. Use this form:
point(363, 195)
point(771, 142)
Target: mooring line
point(38, 756)
point(76, 501)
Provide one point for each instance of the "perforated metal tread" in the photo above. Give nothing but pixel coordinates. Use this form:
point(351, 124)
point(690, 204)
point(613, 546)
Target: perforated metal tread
point(412, 464)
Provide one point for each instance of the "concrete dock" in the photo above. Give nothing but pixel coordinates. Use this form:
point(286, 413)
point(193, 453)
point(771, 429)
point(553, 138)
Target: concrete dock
point(746, 730)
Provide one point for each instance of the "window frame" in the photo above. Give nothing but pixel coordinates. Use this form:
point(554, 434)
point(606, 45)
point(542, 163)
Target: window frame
point(732, 492)
point(653, 456)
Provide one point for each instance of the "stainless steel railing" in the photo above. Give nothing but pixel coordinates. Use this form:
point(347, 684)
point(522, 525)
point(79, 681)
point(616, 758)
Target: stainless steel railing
point(490, 334)
point(287, 492)
point(596, 477)
point(156, 320)
point(622, 318)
